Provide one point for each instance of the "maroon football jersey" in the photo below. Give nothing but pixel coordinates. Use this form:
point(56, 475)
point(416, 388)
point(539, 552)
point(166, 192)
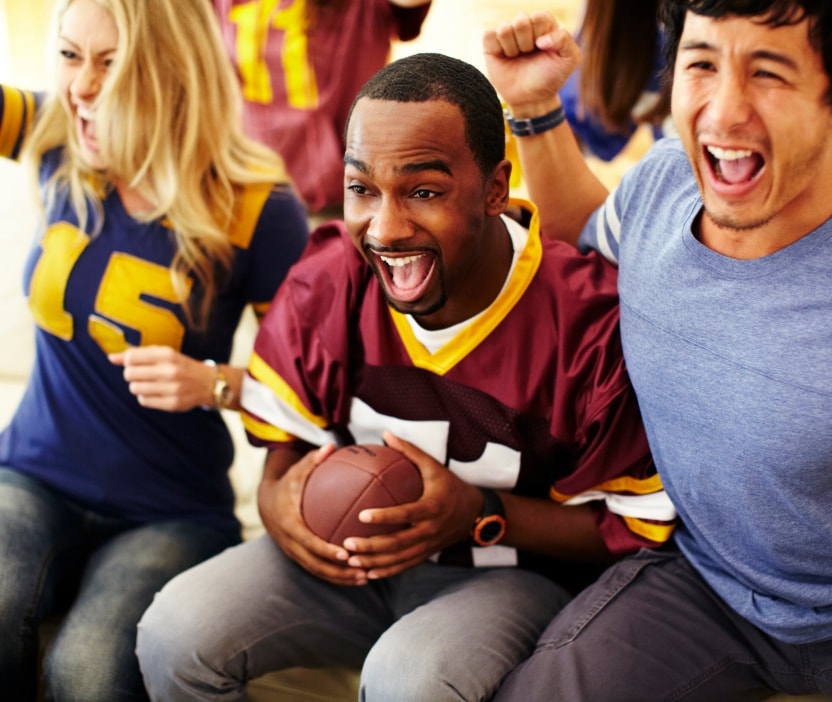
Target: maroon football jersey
point(530, 396)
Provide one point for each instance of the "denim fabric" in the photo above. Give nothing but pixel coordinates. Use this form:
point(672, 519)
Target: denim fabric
point(652, 630)
point(57, 557)
point(434, 632)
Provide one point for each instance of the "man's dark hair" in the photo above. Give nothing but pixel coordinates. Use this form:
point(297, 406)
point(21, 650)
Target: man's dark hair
point(428, 76)
point(776, 13)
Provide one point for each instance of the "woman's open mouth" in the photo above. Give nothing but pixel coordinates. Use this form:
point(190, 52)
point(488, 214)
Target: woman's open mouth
point(85, 125)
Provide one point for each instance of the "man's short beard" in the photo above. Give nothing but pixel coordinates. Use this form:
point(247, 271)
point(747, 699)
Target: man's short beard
point(438, 305)
point(728, 224)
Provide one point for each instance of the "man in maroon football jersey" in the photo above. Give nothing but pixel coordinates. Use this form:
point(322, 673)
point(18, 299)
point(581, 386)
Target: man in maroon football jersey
point(440, 325)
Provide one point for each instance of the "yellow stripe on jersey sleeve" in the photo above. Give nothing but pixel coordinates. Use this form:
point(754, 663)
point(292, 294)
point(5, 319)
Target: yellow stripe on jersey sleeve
point(642, 505)
point(11, 124)
point(658, 533)
point(622, 484)
point(266, 375)
point(264, 431)
point(30, 110)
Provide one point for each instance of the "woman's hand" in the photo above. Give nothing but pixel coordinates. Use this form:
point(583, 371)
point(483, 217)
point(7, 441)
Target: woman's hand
point(164, 379)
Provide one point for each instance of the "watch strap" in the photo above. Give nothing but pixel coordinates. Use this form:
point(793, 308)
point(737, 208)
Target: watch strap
point(535, 125)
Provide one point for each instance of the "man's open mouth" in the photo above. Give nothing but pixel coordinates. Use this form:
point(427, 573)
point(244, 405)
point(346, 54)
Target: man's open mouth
point(407, 275)
point(734, 166)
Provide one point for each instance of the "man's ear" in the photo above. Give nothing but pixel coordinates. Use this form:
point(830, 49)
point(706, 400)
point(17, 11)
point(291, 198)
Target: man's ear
point(496, 199)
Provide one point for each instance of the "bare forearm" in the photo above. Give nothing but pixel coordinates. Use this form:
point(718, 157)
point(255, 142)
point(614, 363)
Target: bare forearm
point(529, 60)
point(550, 529)
point(557, 177)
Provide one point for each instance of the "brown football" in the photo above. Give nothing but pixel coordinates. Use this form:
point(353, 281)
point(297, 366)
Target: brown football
point(354, 478)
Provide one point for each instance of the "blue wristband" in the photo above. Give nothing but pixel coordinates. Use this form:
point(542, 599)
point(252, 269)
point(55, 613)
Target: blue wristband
point(535, 125)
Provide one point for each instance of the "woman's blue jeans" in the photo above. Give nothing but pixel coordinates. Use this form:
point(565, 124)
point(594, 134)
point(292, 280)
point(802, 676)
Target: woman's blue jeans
point(102, 572)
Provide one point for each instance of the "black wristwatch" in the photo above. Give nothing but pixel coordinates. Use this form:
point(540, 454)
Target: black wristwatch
point(490, 527)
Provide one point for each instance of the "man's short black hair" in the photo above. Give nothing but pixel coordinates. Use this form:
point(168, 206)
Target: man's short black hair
point(429, 76)
point(775, 13)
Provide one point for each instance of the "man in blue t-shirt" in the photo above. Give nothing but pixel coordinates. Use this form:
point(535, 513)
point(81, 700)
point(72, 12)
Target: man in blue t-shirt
point(724, 242)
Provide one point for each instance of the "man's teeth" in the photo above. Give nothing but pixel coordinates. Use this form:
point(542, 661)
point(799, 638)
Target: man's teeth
point(400, 260)
point(728, 154)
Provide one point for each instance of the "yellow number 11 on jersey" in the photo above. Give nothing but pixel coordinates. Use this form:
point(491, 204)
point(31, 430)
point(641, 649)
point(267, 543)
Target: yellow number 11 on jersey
point(253, 21)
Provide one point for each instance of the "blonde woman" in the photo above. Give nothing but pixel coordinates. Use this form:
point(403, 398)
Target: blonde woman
point(161, 223)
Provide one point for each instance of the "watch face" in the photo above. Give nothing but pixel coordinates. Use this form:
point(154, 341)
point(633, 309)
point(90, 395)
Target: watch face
point(490, 530)
point(222, 393)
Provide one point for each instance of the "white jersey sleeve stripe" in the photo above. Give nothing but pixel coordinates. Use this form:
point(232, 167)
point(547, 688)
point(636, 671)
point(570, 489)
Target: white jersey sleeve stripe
point(656, 506)
point(260, 401)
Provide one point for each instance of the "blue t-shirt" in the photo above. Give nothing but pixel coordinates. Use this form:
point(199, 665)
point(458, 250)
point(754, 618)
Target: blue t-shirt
point(78, 428)
point(731, 363)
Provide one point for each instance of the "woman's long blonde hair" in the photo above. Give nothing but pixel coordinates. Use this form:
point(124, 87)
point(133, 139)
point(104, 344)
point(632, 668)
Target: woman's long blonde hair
point(168, 122)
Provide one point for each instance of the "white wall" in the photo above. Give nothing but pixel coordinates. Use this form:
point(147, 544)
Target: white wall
point(23, 31)
point(5, 50)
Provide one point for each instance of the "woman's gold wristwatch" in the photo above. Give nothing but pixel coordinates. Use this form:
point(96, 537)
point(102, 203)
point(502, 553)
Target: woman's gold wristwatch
point(221, 390)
